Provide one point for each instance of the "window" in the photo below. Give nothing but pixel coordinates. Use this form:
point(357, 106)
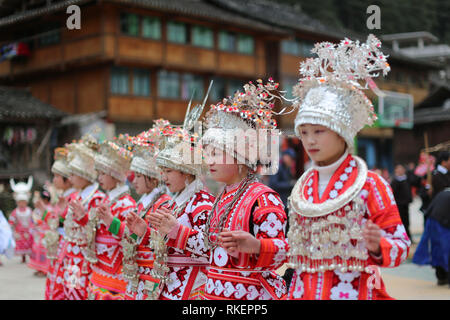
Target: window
point(168, 84)
point(119, 80)
point(231, 42)
point(176, 32)
point(227, 41)
point(192, 85)
point(49, 38)
point(217, 92)
point(141, 82)
point(290, 47)
point(151, 28)
point(202, 37)
point(245, 44)
point(305, 48)
point(129, 24)
point(297, 47)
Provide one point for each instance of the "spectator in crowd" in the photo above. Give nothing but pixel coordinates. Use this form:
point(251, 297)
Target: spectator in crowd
point(283, 181)
point(413, 179)
point(385, 174)
point(434, 246)
point(402, 193)
point(441, 176)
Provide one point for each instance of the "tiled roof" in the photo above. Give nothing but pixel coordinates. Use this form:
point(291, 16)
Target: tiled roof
point(19, 103)
point(196, 8)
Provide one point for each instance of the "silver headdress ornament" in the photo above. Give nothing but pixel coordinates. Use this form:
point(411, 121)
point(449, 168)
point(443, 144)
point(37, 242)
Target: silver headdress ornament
point(81, 157)
point(114, 158)
point(21, 190)
point(61, 166)
point(330, 93)
point(146, 146)
point(181, 150)
point(251, 109)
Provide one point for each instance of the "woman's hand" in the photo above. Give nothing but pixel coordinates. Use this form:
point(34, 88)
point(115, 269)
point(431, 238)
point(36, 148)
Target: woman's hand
point(372, 236)
point(62, 203)
point(239, 241)
point(104, 213)
point(162, 220)
point(39, 204)
point(77, 209)
point(136, 224)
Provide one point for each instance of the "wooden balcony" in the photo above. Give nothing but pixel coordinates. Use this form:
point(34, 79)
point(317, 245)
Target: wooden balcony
point(124, 108)
point(75, 51)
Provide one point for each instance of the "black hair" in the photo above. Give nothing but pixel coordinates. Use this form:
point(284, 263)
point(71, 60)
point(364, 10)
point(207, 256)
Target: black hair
point(443, 156)
point(45, 195)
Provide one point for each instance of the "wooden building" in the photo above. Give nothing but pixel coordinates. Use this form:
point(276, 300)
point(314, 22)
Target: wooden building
point(140, 60)
point(408, 76)
point(26, 127)
point(431, 117)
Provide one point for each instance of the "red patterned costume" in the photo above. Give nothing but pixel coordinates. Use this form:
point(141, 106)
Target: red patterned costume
point(54, 286)
point(144, 258)
point(22, 224)
point(328, 251)
point(330, 205)
point(107, 282)
point(38, 259)
point(77, 270)
point(258, 210)
point(188, 258)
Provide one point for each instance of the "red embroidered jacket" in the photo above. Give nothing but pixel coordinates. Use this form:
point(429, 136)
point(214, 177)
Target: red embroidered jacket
point(188, 257)
point(259, 211)
point(75, 265)
point(354, 279)
point(107, 271)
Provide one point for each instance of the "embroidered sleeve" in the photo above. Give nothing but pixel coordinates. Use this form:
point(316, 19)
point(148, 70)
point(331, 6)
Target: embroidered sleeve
point(145, 239)
point(98, 198)
point(383, 211)
point(191, 238)
point(120, 211)
point(269, 225)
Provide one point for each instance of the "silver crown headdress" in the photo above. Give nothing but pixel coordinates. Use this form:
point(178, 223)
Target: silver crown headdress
point(330, 93)
point(146, 146)
point(114, 158)
point(181, 151)
point(251, 109)
point(60, 166)
point(81, 157)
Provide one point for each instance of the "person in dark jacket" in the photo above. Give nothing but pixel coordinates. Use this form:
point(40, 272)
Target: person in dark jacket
point(434, 247)
point(441, 176)
point(413, 179)
point(402, 194)
point(283, 181)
